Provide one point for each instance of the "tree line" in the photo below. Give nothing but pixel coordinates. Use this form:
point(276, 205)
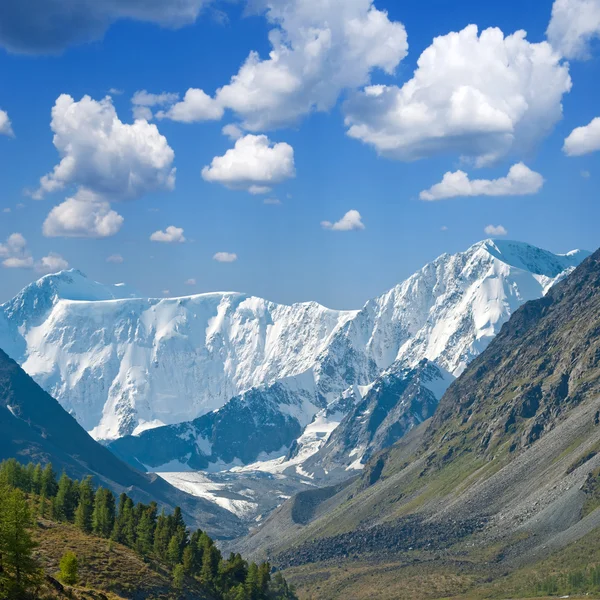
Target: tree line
point(152, 534)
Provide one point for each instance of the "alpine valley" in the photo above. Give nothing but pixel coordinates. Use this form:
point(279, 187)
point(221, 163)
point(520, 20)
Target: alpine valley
point(243, 402)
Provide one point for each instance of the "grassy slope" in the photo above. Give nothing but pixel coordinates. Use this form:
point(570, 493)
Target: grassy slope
point(105, 567)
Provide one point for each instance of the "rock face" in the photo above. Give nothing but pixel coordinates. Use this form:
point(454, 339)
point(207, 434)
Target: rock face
point(513, 447)
point(34, 427)
point(544, 361)
point(121, 365)
point(400, 399)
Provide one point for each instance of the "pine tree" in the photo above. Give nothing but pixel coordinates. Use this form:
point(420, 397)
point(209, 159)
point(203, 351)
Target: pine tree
point(19, 571)
point(178, 577)
point(174, 551)
point(103, 517)
point(37, 479)
point(252, 586)
point(161, 537)
point(69, 568)
point(65, 500)
point(264, 577)
point(145, 530)
point(210, 564)
point(48, 485)
point(85, 507)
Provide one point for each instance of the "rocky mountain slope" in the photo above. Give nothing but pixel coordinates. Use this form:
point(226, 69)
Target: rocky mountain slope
point(507, 470)
point(121, 365)
point(34, 427)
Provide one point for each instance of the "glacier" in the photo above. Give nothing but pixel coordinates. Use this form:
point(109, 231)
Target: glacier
point(122, 364)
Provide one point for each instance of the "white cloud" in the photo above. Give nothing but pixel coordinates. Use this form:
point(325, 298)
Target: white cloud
point(225, 257)
point(6, 210)
point(272, 201)
point(196, 106)
point(351, 221)
point(495, 230)
point(254, 164)
point(444, 228)
point(232, 131)
point(171, 235)
point(318, 49)
point(5, 124)
point(574, 24)
point(585, 174)
point(191, 281)
point(52, 25)
point(479, 96)
point(16, 255)
point(104, 155)
point(115, 259)
point(166, 292)
point(51, 264)
point(144, 101)
point(84, 215)
point(583, 140)
point(520, 181)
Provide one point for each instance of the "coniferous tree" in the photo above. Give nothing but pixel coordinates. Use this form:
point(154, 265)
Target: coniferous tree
point(103, 517)
point(19, 571)
point(161, 537)
point(210, 564)
point(178, 577)
point(65, 501)
point(69, 568)
point(48, 484)
point(36, 487)
point(85, 507)
point(174, 551)
point(252, 585)
point(145, 530)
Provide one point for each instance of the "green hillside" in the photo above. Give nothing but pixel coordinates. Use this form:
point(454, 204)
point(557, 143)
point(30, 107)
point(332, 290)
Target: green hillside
point(66, 539)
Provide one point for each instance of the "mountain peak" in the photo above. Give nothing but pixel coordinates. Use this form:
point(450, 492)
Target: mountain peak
point(530, 258)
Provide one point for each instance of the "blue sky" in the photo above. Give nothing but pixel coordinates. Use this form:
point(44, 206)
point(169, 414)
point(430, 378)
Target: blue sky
point(314, 164)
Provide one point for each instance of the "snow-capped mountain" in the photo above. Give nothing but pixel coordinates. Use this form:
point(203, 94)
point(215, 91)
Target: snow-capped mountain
point(121, 364)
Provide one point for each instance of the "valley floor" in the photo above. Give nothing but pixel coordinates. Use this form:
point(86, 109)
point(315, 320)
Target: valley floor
point(573, 572)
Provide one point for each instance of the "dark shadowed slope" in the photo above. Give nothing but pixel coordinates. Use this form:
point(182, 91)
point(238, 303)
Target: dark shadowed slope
point(510, 462)
point(34, 427)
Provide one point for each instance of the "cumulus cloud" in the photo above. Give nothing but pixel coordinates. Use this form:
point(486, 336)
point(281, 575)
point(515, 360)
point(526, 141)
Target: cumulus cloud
point(171, 235)
point(49, 26)
point(253, 164)
point(84, 215)
point(574, 24)
point(583, 140)
point(232, 131)
point(196, 106)
point(479, 96)
point(16, 255)
point(190, 281)
point(225, 257)
point(520, 181)
point(144, 101)
point(351, 221)
point(104, 155)
point(5, 124)
point(51, 264)
point(115, 259)
point(495, 230)
point(318, 49)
